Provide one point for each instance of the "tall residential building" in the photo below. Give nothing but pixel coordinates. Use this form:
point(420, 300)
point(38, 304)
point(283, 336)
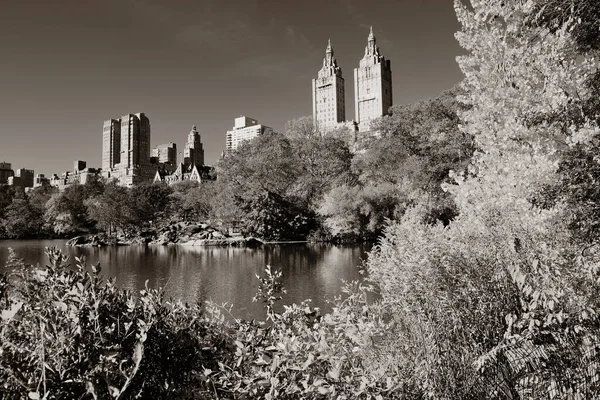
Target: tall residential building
point(135, 141)
point(111, 144)
point(329, 107)
point(126, 149)
point(193, 154)
point(244, 129)
point(5, 172)
point(372, 85)
point(165, 153)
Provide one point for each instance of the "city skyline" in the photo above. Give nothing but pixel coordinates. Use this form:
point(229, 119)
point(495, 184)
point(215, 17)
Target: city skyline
point(66, 69)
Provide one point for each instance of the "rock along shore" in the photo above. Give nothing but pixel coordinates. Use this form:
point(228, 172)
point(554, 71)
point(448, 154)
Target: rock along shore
point(182, 233)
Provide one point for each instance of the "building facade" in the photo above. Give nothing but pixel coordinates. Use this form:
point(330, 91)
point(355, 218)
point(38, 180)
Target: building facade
point(328, 94)
point(6, 172)
point(132, 137)
point(111, 144)
point(165, 153)
point(23, 177)
point(244, 129)
point(372, 85)
point(193, 153)
point(135, 141)
point(183, 172)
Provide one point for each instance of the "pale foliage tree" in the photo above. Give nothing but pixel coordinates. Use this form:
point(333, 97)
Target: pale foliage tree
point(503, 273)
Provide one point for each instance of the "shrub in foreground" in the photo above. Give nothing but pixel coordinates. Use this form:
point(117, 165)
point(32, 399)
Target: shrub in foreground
point(68, 333)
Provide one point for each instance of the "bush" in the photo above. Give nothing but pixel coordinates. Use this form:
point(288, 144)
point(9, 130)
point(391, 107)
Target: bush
point(67, 333)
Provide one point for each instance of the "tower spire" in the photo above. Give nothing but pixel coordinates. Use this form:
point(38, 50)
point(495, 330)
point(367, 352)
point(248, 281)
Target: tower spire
point(371, 48)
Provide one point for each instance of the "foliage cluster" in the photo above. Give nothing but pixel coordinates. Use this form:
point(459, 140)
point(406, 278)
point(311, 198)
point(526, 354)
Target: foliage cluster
point(65, 332)
point(502, 302)
point(278, 186)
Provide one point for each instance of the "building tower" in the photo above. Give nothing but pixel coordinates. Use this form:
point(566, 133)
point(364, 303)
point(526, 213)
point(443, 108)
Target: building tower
point(372, 85)
point(111, 144)
point(135, 141)
point(329, 107)
point(193, 154)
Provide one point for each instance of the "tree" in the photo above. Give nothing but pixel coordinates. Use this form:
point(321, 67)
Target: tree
point(66, 212)
point(191, 201)
point(149, 203)
point(265, 168)
point(502, 278)
point(7, 193)
point(301, 128)
point(112, 209)
point(21, 219)
point(355, 212)
point(323, 163)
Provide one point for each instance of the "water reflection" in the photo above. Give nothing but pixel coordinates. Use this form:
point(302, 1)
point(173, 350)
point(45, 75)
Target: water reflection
point(222, 274)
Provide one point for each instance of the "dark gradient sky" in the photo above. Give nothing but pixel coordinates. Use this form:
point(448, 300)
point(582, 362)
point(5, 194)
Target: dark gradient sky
point(67, 65)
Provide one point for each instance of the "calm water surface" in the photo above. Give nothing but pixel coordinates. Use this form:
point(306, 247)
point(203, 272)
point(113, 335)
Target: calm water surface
point(221, 274)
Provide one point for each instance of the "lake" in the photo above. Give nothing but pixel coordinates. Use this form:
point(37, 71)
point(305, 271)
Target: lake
point(221, 274)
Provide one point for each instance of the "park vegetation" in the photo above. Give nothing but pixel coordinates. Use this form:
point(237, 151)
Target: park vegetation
point(292, 186)
point(487, 265)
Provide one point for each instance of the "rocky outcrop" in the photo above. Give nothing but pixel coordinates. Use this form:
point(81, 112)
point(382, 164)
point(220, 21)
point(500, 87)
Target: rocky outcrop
point(200, 235)
point(186, 234)
point(96, 241)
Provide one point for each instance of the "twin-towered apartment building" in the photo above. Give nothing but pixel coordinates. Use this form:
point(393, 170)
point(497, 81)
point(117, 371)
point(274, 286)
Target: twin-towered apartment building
point(372, 96)
point(372, 89)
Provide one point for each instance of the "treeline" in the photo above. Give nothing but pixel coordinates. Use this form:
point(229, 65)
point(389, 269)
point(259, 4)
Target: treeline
point(99, 207)
point(334, 186)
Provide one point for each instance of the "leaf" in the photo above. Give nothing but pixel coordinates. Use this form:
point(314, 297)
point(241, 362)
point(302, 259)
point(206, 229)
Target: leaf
point(10, 313)
point(323, 390)
point(60, 305)
point(33, 395)
point(334, 374)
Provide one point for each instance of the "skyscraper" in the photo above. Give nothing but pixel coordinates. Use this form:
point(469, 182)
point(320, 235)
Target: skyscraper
point(372, 85)
point(193, 154)
point(111, 144)
point(328, 93)
point(126, 149)
point(135, 141)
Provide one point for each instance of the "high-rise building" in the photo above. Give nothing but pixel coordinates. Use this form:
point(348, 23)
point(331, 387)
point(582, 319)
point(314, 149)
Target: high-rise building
point(126, 149)
point(165, 153)
point(244, 129)
point(372, 85)
point(111, 144)
point(5, 172)
point(135, 141)
point(329, 107)
point(193, 154)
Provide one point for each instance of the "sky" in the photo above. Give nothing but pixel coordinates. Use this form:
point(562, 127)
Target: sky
point(68, 65)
